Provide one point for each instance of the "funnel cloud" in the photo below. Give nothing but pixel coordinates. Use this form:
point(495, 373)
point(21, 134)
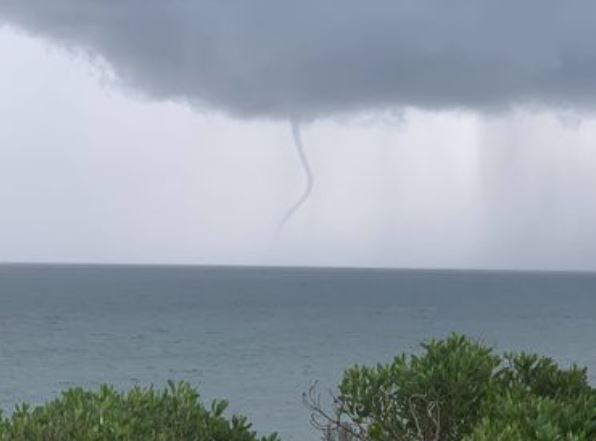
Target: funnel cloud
point(277, 58)
point(297, 135)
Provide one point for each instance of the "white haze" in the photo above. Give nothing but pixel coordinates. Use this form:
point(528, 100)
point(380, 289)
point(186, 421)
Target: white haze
point(91, 173)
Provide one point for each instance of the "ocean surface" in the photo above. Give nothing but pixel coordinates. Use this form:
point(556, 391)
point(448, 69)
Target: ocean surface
point(261, 336)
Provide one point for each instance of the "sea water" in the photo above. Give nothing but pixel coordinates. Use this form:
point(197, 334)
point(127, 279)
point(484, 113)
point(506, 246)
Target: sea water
point(260, 337)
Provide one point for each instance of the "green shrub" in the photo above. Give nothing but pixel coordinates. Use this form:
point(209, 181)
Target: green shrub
point(442, 390)
point(541, 376)
point(519, 417)
point(173, 414)
point(458, 389)
point(454, 390)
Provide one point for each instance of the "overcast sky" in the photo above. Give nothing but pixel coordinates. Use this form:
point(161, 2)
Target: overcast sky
point(162, 134)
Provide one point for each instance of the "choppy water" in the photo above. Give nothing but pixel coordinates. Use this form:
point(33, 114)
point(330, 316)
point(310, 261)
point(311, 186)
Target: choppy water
point(260, 337)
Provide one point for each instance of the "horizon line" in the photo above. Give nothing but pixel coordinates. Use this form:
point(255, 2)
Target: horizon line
point(148, 265)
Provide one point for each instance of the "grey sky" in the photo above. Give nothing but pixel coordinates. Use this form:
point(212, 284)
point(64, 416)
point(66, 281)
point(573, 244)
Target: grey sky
point(102, 160)
point(280, 58)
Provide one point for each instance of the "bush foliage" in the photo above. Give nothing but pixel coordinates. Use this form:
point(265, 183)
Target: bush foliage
point(174, 414)
point(459, 390)
point(454, 390)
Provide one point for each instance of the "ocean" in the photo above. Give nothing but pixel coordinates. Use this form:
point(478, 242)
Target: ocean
point(260, 337)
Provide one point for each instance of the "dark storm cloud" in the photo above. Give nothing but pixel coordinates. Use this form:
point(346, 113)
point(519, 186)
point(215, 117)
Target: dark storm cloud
point(288, 58)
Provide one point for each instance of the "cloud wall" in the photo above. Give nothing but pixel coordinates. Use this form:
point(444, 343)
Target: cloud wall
point(282, 58)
